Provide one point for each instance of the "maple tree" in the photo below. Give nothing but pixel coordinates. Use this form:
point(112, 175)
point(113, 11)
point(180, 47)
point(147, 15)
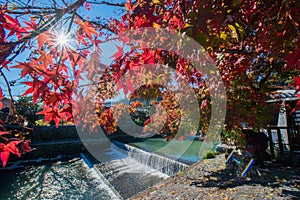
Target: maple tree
point(254, 44)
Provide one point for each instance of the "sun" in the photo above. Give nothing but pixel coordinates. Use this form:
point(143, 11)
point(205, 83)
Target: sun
point(62, 40)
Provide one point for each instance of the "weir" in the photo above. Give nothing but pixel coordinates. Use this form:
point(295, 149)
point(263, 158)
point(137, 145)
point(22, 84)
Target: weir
point(113, 193)
point(125, 174)
point(152, 160)
point(123, 170)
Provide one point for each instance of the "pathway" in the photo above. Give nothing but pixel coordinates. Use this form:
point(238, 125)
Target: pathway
point(209, 179)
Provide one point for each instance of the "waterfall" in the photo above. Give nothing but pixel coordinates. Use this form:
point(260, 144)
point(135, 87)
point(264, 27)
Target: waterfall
point(126, 174)
point(155, 161)
point(113, 193)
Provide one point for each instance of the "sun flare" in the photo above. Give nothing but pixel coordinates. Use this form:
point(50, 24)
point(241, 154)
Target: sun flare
point(62, 40)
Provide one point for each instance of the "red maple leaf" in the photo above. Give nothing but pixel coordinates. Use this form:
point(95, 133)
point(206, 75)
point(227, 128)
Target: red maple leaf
point(6, 149)
point(296, 84)
point(129, 85)
point(25, 146)
point(26, 68)
point(118, 54)
point(4, 132)
point(52, 113)
point(1, 98)
point(4, 156)
point(87, 6)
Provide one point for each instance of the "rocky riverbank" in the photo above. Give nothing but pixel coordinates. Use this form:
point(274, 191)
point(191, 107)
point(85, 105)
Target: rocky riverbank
point(210, 179)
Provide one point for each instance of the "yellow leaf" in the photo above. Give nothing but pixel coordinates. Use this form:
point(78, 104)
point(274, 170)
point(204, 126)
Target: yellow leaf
point(156, 25)
point(223, 35)
point(233, 29)
point(187, 25)
point(157, 2)
point(241, 30)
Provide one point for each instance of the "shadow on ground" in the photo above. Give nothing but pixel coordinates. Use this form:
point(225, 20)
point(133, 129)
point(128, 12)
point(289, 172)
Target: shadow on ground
point(272, 176)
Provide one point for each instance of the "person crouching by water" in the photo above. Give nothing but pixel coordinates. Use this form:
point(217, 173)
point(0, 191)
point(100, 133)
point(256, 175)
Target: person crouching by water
point(256, 144)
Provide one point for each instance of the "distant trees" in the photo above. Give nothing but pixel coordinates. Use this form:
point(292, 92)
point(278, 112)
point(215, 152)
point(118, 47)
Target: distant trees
point(25, 107)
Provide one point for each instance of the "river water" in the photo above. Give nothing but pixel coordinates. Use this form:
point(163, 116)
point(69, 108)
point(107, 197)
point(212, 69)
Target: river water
point(68, 179)
point(119, 176)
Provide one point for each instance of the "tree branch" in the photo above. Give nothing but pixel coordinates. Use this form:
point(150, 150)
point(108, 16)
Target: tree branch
point(51, 22)
point(9, 90)
point(103, 26)
point(31, 12)
point(109, 4)
point(15, 55)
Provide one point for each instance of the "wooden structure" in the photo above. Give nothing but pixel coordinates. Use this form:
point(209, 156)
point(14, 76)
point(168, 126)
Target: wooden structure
point(285, 135)
point(281, 148)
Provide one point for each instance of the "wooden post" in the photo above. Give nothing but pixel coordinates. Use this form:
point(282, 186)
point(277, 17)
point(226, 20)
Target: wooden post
point(289, 132)
point(271, 143)
point(280, 142)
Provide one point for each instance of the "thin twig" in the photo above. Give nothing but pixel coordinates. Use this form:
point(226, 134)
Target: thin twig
point(103, 26)
point(16, 54)
point(9, 91)
point(109, 4)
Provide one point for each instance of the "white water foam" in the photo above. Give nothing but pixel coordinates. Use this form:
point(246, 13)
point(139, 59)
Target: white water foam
point(104, 183)
point(154, 161)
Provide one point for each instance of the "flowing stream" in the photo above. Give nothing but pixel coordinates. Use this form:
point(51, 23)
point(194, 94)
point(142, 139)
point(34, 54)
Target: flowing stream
point(68, 179)
point(123, 172)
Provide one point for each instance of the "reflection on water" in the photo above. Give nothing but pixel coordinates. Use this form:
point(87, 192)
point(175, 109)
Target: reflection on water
point(70, 179)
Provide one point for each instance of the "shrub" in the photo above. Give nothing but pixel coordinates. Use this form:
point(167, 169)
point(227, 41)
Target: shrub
point(209, 154)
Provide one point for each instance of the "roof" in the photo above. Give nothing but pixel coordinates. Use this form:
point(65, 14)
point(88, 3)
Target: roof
point(284, 95)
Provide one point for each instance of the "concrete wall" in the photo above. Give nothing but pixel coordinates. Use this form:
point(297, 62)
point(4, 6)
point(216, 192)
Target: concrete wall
point(49, 141)
point(51, 133)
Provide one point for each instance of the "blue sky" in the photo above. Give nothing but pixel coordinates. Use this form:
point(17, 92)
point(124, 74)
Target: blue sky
point(107, 49)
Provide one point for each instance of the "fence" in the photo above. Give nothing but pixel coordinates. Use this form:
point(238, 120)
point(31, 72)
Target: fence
point(284, 140)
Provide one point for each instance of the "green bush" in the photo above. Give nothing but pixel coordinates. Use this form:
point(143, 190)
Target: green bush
point(41, 122)
point(232, 137)
point(209, 154)
point(25, 107)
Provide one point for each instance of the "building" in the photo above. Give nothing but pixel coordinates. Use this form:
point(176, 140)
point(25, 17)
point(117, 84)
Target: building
point(285, 132)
